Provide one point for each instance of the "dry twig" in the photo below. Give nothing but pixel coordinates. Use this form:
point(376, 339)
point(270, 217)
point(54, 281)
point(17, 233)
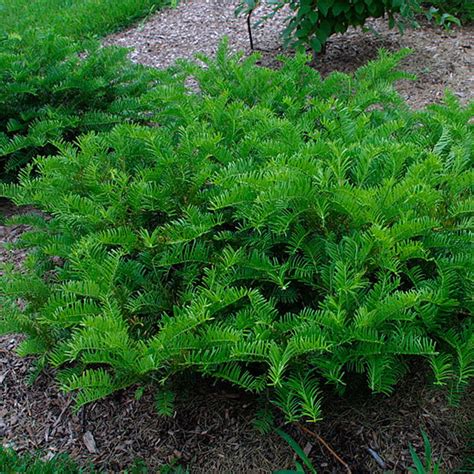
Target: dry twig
point(326, 445)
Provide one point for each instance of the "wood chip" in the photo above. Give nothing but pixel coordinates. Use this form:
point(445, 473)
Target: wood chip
point(89, 442)
point(3, 376)
point(199, 26)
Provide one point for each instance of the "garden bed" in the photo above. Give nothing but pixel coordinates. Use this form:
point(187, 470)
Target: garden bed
point(440, 59)
point(212, 430)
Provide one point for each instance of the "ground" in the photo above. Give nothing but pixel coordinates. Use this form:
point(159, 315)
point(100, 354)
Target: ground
point(440, 59)
point(212, 430)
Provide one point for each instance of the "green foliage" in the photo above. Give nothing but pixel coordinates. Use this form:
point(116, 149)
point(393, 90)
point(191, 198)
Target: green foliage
point(274, 230)
point(13, 463)
point(299, 452)
point(462, 9)
point(428, 466)
point(56, 84)
point(164, 403)
point(312, 22)
point(49, 92)
point(173, 468)
point(74, 19)
point(446, 20)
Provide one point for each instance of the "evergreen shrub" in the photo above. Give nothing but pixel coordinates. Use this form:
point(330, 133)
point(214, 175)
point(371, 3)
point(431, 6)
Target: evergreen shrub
point(77, 20)
point(14, 463)
point(52, 89)
point(271, 229)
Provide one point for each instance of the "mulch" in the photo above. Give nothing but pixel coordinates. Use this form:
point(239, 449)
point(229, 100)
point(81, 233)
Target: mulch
point(441, 59)
point(212, 429)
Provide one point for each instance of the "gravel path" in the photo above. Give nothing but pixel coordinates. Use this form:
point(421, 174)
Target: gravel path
point(440, 59)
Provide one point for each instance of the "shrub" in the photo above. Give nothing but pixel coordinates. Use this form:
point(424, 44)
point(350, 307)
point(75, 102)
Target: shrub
point(13, 463)
point(275, 230)
point(50, 92)
point(312, 22)
point(463, 9)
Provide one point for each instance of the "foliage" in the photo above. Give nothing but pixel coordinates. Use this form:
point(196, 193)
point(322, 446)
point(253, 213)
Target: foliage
point(273, 230)
point(76, 20)
point(50, 92)
point(312, 22)
point(446, 20)
point(462, 9)
point(173, 468)
point(13, 463)
point(299, 451)
point(428, 466)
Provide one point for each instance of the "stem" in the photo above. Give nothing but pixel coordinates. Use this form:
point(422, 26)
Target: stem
point(249, 28)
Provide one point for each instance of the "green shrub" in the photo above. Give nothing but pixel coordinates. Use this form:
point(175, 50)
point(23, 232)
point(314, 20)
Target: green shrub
point(463, 9)
point(13, 463)
point(273, 229)
point(50, 92)
point(312, 22)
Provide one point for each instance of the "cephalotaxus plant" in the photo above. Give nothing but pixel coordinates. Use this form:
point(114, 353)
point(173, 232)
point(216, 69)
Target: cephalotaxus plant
point(52, 89)
point(274, 230)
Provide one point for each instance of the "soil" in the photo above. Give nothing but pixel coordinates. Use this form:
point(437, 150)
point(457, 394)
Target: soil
point(212, 429)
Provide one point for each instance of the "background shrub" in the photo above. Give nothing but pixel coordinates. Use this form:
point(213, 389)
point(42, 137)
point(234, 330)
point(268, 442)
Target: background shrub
point(273, 230)
point(50, 92)
point(462, 9)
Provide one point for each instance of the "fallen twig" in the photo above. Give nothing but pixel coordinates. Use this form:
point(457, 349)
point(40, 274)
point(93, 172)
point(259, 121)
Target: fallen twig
point(58, 419)
point(326, 445)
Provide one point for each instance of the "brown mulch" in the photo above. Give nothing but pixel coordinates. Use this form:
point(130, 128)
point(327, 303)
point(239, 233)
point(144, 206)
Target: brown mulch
point(212, 429)
point(9, 234)
point(440, 59)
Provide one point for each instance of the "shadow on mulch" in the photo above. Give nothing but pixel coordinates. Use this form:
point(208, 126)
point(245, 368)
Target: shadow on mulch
point(212, 429)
